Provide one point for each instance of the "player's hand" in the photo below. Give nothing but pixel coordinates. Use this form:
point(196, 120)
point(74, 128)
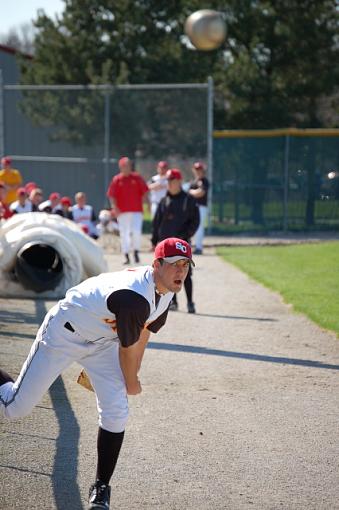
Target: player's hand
point(134, 389)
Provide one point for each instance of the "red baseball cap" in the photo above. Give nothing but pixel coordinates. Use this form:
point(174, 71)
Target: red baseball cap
point(30, 186)
point(163, 164)
point(173, 249)
point(6, 160)
point(198, 165)
point(66, 201)
point(174, 173)
point(54, 196)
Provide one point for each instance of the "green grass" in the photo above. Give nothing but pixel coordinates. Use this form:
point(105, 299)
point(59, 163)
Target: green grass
point(307, 276)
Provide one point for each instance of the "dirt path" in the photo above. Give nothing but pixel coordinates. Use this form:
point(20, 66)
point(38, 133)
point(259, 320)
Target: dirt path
point(239, 410)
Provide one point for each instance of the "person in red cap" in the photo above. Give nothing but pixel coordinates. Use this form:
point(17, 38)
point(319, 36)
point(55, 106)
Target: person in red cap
point(158, 186)
point(22, 204)
point(63, 208)
point(12, 179)
point(5, 211)
point(104, 323)
point(177, 216)
point(199, 191)
point(126, 193)
point(30, 186)
point(49, 205)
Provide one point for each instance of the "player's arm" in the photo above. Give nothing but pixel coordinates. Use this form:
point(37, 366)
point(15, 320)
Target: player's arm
point(141, 343)
point(129, 363)
point(131, 311)
point(197, 193)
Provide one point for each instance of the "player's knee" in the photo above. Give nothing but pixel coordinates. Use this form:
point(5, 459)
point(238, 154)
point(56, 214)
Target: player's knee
point(12, 406)
point(113, 423)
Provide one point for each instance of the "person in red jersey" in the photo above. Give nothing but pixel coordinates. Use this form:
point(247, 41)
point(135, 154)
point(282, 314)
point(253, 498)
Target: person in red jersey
point(126, 194)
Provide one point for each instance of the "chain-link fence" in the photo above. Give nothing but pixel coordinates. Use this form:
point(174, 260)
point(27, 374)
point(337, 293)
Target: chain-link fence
point(279, 179)
point(69, 138)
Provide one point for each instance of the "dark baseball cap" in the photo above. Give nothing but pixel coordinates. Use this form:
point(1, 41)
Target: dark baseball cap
point(173, 249)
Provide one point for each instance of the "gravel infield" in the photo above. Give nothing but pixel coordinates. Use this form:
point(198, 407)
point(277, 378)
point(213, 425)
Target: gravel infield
point(239, 409)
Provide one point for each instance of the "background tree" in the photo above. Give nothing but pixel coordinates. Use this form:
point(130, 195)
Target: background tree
point(21, 38)
point(279, 64)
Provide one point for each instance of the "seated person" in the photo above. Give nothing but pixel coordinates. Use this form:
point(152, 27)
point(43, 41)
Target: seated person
point(63, 209)
point(22, 204)
point(84, 214)
point(36, 198)
point(50, 204)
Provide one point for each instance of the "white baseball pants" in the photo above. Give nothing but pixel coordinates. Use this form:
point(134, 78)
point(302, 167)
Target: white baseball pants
point(154, 207)
point(130, 225)
point(199, 235)
point(53, 350)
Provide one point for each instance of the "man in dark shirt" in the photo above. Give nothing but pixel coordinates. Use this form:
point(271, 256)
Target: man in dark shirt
point(177, 215)
point(104, 324)
point(199, 191)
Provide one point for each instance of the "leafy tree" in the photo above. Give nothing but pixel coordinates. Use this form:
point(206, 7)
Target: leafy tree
point(279, 62)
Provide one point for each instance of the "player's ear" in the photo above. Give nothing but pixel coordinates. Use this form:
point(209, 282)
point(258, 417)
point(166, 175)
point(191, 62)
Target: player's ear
point(157, 263)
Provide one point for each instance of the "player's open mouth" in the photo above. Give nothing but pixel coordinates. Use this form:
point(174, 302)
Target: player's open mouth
point(178, 282)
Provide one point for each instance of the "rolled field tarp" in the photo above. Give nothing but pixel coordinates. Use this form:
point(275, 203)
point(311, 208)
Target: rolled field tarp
point(42, 255)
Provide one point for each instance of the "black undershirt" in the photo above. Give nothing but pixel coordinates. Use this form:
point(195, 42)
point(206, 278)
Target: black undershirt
point(131, 311)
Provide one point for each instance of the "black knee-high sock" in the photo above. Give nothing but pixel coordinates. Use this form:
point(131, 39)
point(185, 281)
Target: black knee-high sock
point(4, 377)
point(188, 287)
point(108, 446)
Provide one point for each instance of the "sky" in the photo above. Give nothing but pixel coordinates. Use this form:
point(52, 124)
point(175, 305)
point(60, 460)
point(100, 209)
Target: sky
point(14, 13)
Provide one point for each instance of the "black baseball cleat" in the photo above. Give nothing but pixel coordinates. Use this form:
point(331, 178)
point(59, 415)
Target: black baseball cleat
point(99, 496)
point(190, 307)
point(136, 257)
point(4, 377)
point(173, 306)
point(127, 260)
point(197, 251)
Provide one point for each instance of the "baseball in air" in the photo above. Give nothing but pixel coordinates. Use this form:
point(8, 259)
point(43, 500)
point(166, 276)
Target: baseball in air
point(206, 29)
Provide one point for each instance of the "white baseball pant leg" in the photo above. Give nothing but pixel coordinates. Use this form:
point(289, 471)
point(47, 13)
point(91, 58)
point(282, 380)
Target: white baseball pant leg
point(136, 230)
point(154, 207)
point(125, 230)
point(54, 349)
point(199, 235)
point(108, 382)
point(42, 366)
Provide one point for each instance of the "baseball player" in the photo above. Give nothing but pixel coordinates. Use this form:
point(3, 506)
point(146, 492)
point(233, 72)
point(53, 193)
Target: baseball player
point(199, 191)
point(176, 215)
point(158, 186)
point(104, 324)
point(126, 193)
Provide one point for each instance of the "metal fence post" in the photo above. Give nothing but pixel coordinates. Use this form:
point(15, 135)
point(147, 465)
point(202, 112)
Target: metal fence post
point(286, 163)
point(2, 116)
point(210, 92)
point(107, 133)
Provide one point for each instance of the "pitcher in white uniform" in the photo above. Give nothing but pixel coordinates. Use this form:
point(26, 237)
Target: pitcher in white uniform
point(104, 324)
